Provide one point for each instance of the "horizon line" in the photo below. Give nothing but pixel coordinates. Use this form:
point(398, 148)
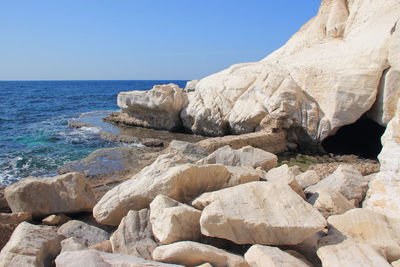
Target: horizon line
point(72, 80)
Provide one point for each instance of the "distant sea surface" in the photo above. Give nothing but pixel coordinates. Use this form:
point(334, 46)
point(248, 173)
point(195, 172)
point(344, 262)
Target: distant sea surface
point(35, 138)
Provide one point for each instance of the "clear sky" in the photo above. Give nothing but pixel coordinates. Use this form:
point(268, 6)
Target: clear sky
point(141, 39)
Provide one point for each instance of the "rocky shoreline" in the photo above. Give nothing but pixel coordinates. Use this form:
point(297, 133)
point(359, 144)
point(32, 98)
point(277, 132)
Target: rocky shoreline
point(242, 197)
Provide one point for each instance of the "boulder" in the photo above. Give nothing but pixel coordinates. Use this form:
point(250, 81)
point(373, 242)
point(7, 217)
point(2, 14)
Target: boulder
point(69, 193)
point(245, 156)
point(168, 176)
point(330, 202)
point(307, 178)
point(31, 245)
point(15, 218)
point(134, 235)
point(190, 254)
point(258, 213)
point(285, 175)
point(91, 257)
point(346, 180)
point(271, 141)
point(351, 254)
point(173, 221)
point(84, 233)
point(191, 86)
point(158, 108)
point(371, 228)
point(262, 256)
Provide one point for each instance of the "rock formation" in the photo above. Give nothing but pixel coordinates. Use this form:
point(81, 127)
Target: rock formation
point(330, 73)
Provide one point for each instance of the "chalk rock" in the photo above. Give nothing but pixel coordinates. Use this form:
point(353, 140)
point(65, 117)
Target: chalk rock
point(372, 228)
point(166, 176)
point(31, 245)
point(261, 256)
point(330, 202)
point(291, 82)
point(87, 235)
point(91, 257)
point(69, 193)
point(15, 218)
point(173, 221)
point(307, 178)
point(351, 254)
point(346, 180)
point(384, 190)
point(134, 235)
point(245, 156)
point(157, 108)
point(190, 254)
point(285, 175)
point(258, 213)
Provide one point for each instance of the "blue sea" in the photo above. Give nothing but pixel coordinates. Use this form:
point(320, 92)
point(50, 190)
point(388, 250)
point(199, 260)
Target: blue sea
point(35, 138)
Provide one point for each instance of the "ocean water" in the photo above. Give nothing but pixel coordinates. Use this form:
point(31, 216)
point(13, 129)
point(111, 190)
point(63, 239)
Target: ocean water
point(35, 138)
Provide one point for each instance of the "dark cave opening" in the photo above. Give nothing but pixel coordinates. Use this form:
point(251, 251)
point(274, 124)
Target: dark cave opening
point(362, 138)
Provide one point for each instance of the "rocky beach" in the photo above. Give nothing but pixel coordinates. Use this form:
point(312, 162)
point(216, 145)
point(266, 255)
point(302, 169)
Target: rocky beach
point(290, 161)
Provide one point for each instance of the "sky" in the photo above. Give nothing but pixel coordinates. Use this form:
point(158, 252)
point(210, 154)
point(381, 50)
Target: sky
point(141, 39)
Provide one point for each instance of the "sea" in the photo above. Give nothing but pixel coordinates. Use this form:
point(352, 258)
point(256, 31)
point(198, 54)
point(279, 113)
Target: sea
point(35, 139)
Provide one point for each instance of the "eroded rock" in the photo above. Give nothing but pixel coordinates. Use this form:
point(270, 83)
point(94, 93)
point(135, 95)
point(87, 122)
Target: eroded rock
point(245, 156)
point(31, 245)
point(330, 202)
point(69, 193)
point(258, 213)
point(191, 254)
point(134, 235)
point(169, 176)
point(173, 221)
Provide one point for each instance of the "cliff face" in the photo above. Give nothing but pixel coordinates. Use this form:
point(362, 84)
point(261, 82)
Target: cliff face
point(327, 75)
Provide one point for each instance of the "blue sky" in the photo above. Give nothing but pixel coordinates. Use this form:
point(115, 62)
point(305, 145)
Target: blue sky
point(141, 39)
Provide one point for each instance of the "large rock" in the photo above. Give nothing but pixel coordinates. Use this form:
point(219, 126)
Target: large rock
point(330, 202)
point(134, 235)
point(258, 213)
point(85, 234)
point(173, 221)
point(69, 193)
point(351, 254)
point(245, 156)
point(6, 231)
point(191, 254)
point(346, 180)
point(262, 256)
point(91, 257)
point(168, 176)
point(157, 108)
point(31, 245)
point(372, 228)
point(285, 175)
point(384, 190)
